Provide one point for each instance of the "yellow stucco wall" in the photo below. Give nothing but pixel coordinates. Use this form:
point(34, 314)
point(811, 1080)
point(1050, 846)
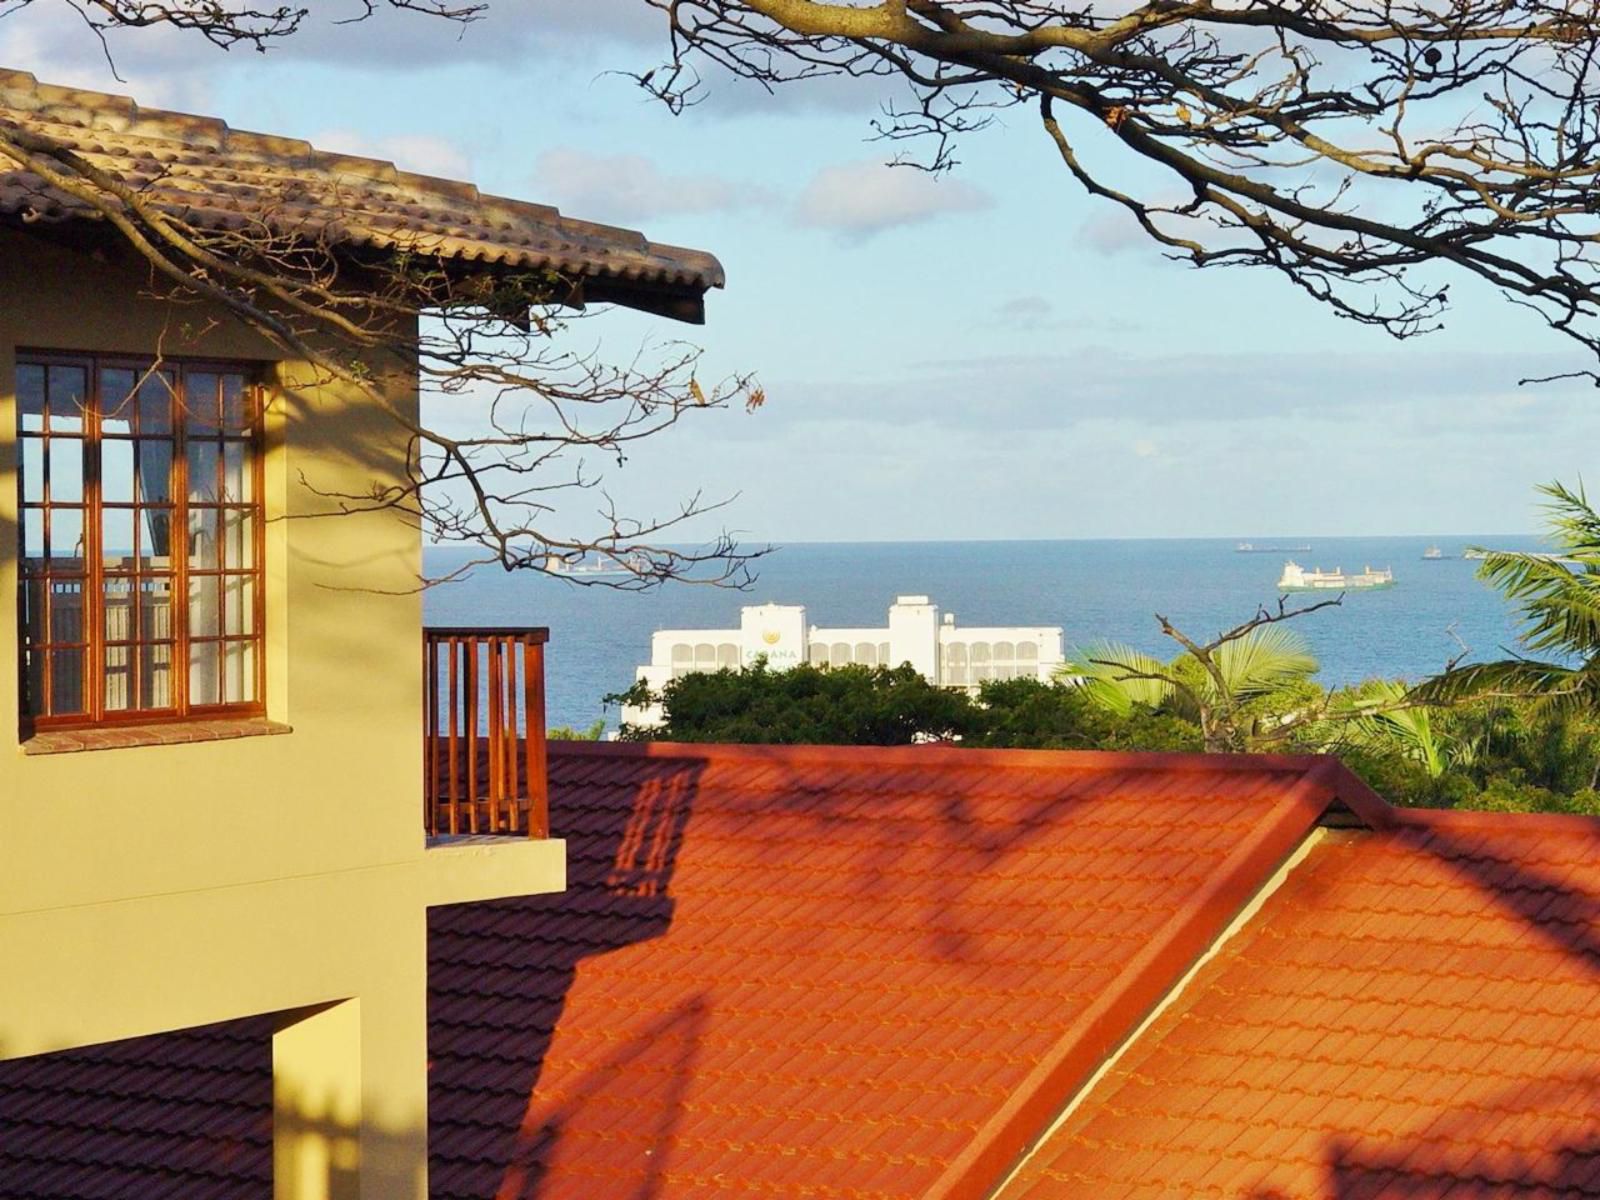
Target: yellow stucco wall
point(152, 888)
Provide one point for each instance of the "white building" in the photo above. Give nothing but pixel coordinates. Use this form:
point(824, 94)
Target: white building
point(939, 649)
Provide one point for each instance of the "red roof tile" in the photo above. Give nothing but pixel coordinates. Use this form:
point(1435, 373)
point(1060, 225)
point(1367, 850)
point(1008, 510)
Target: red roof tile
point(829, 973)
point(1415, 1013)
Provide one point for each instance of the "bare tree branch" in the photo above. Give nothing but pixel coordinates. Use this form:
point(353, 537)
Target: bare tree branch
point(492, 341)
point(1366, 150)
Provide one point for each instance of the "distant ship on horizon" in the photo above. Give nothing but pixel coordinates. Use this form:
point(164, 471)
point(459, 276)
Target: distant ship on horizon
point(1252, 548)
point(1432, 554)
point(1296, 578)
point(592, 565)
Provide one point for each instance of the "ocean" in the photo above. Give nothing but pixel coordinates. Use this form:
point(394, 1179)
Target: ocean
point(1094, 590)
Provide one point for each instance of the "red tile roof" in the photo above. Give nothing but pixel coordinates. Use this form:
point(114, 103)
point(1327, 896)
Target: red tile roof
point(882, 973)
point(829, 972)
point(1415, 1013)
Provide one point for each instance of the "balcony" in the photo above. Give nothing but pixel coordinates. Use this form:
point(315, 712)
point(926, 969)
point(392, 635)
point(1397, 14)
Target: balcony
point(485, 771)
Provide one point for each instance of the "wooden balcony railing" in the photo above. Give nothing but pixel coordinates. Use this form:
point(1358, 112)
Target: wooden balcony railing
point(484, 755)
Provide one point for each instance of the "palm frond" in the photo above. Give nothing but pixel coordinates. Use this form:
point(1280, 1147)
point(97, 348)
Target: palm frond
point(1559, 598)
point(1264, 659)
point(1561, 607)
point(1517, 678)
point(1116, 676)
point(1574, 521)
point(1409, 731)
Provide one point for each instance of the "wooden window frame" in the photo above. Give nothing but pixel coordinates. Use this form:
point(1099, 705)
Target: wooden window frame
point(95, 714)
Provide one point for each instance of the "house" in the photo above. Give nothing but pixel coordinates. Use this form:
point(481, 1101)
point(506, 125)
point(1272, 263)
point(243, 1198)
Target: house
point(212, 705)
point(927, 972)
point(235, 966)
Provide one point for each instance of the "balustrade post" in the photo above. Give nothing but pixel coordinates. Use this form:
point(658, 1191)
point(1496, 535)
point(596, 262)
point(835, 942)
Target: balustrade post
point(472, 713)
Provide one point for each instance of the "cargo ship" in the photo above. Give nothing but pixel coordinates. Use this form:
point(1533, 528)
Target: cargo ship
point(1296, 578)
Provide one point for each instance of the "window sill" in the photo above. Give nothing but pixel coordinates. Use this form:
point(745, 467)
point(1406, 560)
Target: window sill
point(174, 733)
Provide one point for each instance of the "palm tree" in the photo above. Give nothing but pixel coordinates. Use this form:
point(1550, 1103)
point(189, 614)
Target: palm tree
point(1559, 596)
point(1382, 721)
point(1219, 686)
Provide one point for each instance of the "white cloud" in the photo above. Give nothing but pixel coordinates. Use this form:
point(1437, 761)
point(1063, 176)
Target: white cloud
point(418, 152)
point(861, 199)
point(630, 187)
point(1112, 231)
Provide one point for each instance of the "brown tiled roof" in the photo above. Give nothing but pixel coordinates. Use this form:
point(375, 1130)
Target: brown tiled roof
point(179, 1115)
point(218, 178)
point(1415, 1013)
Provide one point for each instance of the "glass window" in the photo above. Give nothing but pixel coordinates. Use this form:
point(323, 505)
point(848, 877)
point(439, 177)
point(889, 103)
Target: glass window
point(114, 456)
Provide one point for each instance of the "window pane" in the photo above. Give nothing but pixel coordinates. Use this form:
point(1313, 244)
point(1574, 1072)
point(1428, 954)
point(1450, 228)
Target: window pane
point(66, 534)
point(238, 672)
point(116, 537)
point(66, 611)
point(155, 471)
point(117, 605)
point(116, 471)
point(200, 399)
point(30, 395)
point(205, 608)
point(33, 610)
point(33, 470)
point(68, 395)
point(203, 472)
point(155, 546)
point(33, 535)
point(205, 683)
point(66, 470)
point(155, 676)
point(239, 601)
point(118, 681)
point(155, 608)
point(155, 404)
point(33, 702)
point(66, 681)
point(235, 472)
point(203, 539)
point(236, 405)
point(116, 400)
point(239, 536)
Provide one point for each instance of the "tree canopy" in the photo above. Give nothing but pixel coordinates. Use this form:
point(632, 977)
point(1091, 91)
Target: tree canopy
point(1368, 151)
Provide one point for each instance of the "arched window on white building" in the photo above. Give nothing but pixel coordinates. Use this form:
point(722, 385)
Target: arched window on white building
point(866, 654)
point(955, 665)
point(1027, 660)
point(978, 655)
point(1005, 665)
point(883, 655)
point(682, 659)
point(818, 654)
point(839, 655)
point(705, 657)
point(728, 656)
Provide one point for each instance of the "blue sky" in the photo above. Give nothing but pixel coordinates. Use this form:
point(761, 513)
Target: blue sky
point(988, 355)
